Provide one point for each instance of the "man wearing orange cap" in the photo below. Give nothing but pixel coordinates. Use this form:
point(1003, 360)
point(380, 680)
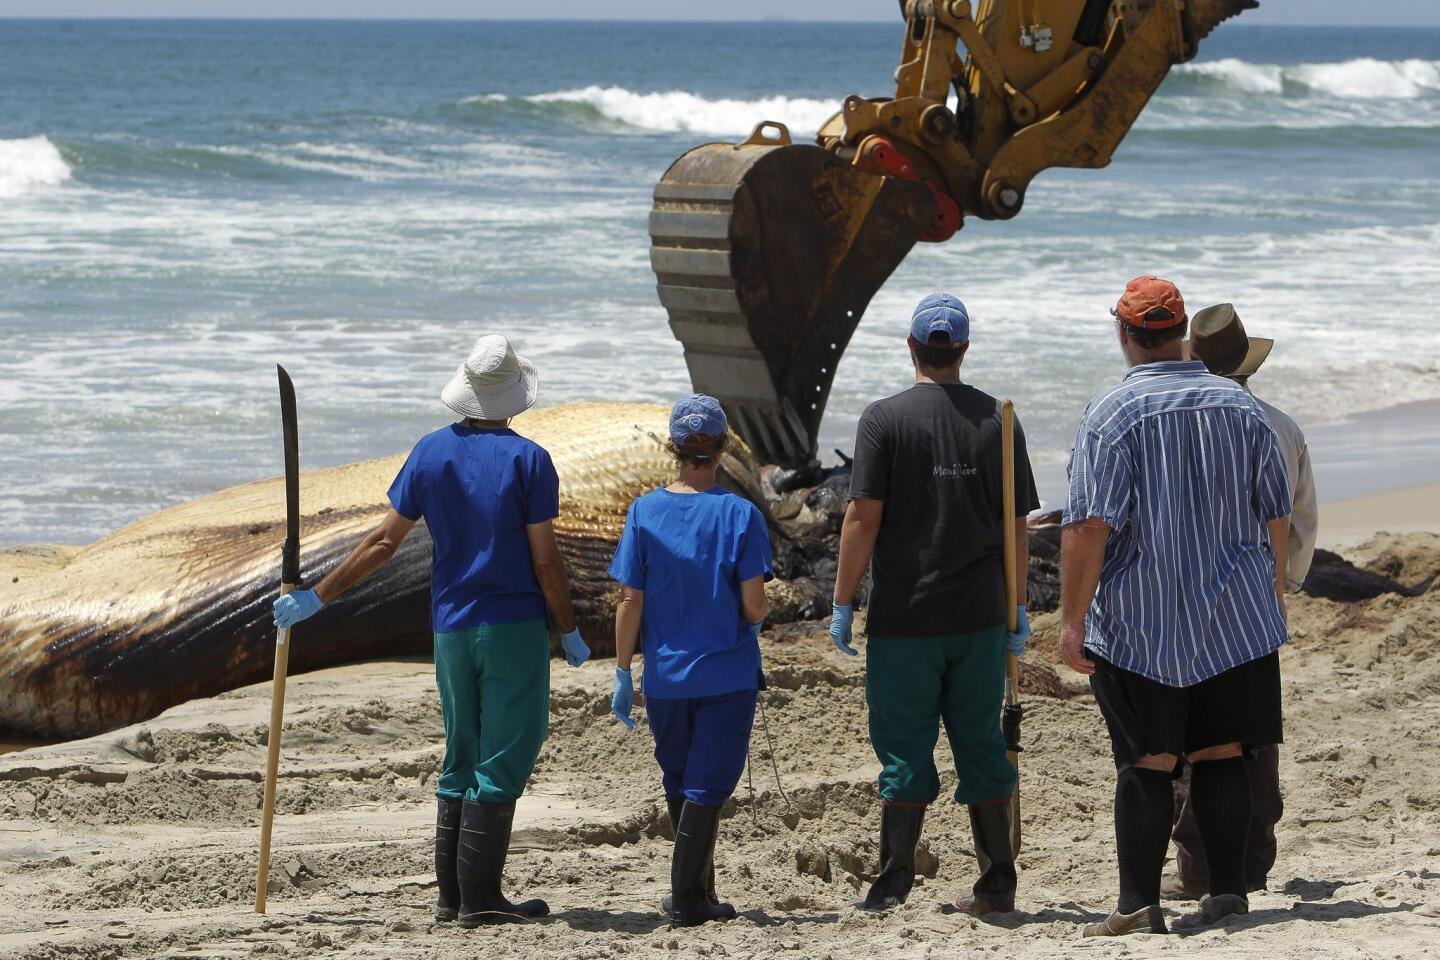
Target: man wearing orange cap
point(1172, 598)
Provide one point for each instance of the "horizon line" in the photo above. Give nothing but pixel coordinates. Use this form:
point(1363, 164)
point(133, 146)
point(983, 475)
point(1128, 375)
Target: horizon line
point(593, 20)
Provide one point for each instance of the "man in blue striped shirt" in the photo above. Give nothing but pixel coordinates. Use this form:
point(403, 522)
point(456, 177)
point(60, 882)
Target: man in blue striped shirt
point(1172, 597)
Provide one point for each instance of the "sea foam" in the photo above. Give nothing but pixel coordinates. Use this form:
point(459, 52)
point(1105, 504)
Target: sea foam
point(1222, 81)
point(28, 163)
point(1364, 79)
point(677, 111)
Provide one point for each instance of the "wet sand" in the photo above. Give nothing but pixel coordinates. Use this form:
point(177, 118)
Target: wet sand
point(1406, 510)
point(10, 746)
point(1364, 457)
point(141, 842)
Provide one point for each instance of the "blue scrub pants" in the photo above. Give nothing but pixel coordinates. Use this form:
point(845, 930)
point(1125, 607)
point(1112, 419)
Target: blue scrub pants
point(701, 744)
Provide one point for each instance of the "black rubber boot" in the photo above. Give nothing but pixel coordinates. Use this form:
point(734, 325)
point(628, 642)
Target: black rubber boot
point(484, 843)
point(994, 892)
point(447, 844)
point(691, 868)
point(675, 805)
point(899, 833)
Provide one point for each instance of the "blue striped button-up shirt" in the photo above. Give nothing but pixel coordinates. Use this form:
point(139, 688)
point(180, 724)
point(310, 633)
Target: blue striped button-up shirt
point(1185, 470)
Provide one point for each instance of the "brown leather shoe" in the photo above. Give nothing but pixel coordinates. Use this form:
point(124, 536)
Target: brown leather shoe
point(1175, 888)
point(1144, 920)
point(981, 906)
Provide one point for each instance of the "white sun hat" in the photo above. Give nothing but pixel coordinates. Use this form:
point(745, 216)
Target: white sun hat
point(493, 383)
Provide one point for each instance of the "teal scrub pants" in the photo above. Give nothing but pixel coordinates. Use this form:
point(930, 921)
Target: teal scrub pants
point(912, 685)
point(494, 685)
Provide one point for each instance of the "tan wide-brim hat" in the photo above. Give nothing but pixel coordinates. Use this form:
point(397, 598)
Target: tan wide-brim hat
point(493, 383)
point(1218, 338)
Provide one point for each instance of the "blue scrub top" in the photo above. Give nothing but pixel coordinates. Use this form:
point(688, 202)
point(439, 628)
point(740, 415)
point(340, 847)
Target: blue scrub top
point(689, 553)
point(477, 489)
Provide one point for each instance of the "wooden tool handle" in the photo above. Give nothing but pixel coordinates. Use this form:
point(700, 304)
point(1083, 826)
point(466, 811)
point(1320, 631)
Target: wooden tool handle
point(272, 755)
point(1012, 602)
point(1007, 497)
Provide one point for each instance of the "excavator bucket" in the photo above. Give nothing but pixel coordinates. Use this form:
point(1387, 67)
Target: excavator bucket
point(766, 255)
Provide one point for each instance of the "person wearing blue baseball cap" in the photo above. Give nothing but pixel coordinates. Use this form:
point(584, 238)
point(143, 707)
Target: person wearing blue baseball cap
point(692, 564)
point(925, 518)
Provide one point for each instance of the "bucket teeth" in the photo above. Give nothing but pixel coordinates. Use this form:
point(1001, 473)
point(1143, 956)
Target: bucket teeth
point(1203, 16)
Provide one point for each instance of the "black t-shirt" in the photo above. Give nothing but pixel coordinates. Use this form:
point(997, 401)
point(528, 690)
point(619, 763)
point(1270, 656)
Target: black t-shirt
point(932, 454)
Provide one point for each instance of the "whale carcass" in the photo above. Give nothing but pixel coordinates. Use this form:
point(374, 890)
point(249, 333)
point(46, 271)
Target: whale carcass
point(177, 604)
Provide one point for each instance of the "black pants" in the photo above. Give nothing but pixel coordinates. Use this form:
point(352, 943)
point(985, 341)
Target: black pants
point(1241, 705)
point(1267, 806)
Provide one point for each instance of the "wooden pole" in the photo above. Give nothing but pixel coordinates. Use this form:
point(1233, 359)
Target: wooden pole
point(289, 580)
point(272, 755)
point(1012, 602)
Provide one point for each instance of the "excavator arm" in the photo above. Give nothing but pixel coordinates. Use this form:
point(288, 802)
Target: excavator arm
point(767, 252)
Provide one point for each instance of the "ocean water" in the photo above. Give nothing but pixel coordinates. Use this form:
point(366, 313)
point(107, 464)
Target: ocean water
point(184, 203)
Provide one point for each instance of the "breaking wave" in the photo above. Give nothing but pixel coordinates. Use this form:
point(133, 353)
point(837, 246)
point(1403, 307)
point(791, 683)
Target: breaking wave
point(675, 111)
point(28, 163)
point(1363, 93)
point(1362, 79)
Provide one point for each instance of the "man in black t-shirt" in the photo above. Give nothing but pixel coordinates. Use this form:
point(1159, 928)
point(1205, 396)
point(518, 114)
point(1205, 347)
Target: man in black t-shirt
point(925, 516)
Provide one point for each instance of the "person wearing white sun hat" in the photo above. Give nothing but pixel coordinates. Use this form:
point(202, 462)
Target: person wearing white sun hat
point(489, 498)
point(494, 383)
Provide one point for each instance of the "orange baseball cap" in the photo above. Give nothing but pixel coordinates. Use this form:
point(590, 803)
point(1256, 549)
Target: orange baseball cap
point(1150, 303)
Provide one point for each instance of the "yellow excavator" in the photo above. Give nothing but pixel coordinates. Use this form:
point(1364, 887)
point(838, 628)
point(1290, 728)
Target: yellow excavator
point(767, 252)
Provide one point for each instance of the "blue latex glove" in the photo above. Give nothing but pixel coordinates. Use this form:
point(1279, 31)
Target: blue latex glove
point(754, 629)
point(622, 701)
point(1015, 642)
point(576, 651)
point(842, 616)
point(296, 606)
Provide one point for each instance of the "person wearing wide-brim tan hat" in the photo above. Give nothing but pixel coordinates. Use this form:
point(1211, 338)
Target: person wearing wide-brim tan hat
point(489, 498)
point(1219, 339)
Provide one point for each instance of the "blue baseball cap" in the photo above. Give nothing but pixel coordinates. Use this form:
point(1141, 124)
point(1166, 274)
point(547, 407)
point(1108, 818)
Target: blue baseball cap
point(940, 313)
point(694, 414)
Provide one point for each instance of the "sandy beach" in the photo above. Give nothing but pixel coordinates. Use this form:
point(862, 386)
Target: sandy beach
point(356, 192)
point(141, 842)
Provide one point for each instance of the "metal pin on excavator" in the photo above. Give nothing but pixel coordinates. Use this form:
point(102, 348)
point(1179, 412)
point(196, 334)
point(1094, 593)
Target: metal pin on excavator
point(767, 252)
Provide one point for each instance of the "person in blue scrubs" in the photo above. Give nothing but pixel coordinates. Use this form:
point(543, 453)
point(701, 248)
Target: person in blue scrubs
point(489, 498)
point(692, 564)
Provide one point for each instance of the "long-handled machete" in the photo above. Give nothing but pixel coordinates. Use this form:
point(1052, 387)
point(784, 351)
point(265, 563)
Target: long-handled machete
point(289, 580)
point(1014, 712)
